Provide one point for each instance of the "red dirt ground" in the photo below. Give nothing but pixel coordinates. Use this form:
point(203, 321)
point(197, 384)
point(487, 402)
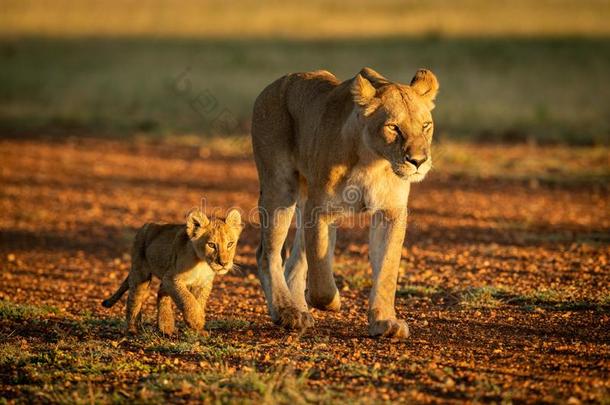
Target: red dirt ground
point(505, 285)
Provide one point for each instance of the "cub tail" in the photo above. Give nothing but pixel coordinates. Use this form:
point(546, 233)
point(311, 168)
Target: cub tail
point(107, 303)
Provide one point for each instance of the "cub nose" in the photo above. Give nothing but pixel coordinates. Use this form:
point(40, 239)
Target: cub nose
point(416, 160)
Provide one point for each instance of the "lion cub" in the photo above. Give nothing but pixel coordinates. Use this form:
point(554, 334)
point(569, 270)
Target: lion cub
point(185, 258)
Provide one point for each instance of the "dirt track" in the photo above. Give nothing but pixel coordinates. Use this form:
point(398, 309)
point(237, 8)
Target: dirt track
point(506, 287)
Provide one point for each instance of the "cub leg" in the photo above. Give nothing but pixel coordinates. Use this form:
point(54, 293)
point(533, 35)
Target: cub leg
point(165, 312)
point(202, 293)
point(138, 291)
point(387, 235)
point(186, 303)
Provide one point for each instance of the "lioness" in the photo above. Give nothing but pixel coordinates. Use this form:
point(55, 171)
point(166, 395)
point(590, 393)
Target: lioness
point(331, 147)
point(185, 259)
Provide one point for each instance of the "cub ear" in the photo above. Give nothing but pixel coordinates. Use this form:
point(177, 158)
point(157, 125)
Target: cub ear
point(426, 85)
point(195, 223)
point(234, 219)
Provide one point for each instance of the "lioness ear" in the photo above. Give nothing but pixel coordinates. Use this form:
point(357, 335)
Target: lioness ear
point(426, 85)
point(364, 94)
point(233, 219)
point(362, 91)
point(195, 222)
point(372, 76)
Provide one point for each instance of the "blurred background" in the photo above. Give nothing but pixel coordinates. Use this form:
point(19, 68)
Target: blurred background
point(114, 113)
point(510, 71)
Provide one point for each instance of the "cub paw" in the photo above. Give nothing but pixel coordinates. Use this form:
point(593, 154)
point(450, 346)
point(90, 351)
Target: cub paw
point(131, 329)
point(195, 325)
point(195, 320)
point(166, 327)
point(295, 319)
point(392, 328)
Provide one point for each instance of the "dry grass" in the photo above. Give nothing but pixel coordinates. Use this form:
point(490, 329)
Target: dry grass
point(315, 19)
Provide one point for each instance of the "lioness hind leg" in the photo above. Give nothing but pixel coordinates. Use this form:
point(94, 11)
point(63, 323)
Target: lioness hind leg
point(273, 147)
point(277, 205)
point(165, 312)
point(296, 265)
point(320, 237)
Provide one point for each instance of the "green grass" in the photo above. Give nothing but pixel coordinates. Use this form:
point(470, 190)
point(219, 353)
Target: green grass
point(417, 291)
point(281, 386)
point(482, 297)
point(204, 348)
point(14, 311)
point(491, 89)
point(488, 297)
point(356, 275)
point(560, 300)
point(227, 325)
point(545, 165)
point(72, 371)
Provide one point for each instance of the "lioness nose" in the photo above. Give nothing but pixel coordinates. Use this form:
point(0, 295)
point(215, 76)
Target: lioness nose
point(416, 160)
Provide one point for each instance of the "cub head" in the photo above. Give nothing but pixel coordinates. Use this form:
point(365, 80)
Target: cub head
point(396, 119)
point(214, 240)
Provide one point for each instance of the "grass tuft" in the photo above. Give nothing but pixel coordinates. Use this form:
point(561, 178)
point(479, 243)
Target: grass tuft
point(482, 297)
point(417, 291)
point(227, 325)
point(14, 311)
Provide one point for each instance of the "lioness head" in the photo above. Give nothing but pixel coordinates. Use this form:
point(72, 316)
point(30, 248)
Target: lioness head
point(215, 240)
point(396, 119)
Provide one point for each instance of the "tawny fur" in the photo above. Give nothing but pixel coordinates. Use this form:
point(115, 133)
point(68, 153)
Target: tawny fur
point(185, 257)
point(330, 148)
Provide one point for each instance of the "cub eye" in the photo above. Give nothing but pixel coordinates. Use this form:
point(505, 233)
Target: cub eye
point(230, 244)
point(426, 125)
point(211, 245)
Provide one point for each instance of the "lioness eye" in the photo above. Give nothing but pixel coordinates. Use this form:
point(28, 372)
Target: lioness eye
point(229, 244)
point(426, 125)
point(211, 245)
point(394, 127)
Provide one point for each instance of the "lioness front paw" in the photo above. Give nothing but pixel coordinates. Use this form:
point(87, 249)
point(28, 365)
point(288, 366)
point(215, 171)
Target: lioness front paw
point(293, 318)
point(392, 328)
